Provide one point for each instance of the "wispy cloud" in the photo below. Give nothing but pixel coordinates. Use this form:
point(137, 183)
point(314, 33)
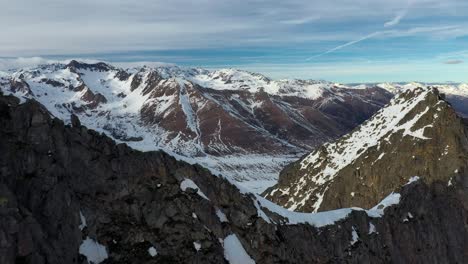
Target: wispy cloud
point(453, 62)
point(396, 20)
point(400, 15)
point(86, 26)
point(300, 21)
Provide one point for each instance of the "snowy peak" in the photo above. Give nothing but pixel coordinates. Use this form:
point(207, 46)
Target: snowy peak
point(417, 133)
point(99, 66)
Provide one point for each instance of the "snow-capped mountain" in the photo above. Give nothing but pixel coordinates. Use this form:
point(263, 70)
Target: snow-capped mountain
point(417, 133)
point(455, 93)
point(236, 123)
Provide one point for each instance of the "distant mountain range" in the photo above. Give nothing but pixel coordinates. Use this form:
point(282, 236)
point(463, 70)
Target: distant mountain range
point(236, 123)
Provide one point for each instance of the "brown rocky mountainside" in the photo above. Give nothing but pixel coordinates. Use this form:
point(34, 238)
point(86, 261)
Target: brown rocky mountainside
point(417, 134)
point(223, 119)
point(71, 195)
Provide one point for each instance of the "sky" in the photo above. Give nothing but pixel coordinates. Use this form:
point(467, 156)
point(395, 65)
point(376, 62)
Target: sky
point(346, 41)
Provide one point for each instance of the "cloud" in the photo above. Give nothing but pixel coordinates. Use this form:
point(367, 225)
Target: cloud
point(395, 21)
point(53, 27)
point(15, 63)
point(300, 21)
point(402, 14)
point(31, 62)
point(453, 62)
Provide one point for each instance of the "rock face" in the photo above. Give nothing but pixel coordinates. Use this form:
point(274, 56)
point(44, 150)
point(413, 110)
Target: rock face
point(233, 122)
point(72, 195)
point(417, 134)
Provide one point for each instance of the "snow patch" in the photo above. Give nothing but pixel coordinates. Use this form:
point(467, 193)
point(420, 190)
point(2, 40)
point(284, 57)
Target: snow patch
point(413, 179)
point(83, 222)
point(197, 245)
point(378, 210)
point(222, 217)
point(93, 251)
point(372, 228)
point(187, 183)
point(354, 237)
point(152, 252)
point(234, 252)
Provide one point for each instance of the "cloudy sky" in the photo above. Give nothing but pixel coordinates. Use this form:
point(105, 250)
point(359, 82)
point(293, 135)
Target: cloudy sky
point(337, 40)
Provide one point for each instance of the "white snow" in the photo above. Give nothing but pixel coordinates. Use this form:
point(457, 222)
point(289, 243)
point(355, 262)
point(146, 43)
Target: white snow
point(152, 251)
point(322, 219)
point(234, 252)
point(378, 210)
point(222, 217)
point(354, 237)
point(372, 228)
point(83, 222)
point(190, 115)
point(187, 183)
point(93, 251)
point(413, 179)
point(197, 245)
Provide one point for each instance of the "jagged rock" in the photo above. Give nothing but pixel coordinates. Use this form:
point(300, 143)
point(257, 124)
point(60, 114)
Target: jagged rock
point(75, 121)
point(53, 83)
point(19, 85)
point(417, 134)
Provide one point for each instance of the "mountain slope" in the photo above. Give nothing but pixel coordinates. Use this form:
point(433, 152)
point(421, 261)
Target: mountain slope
point(242, 125)
point(72, 195)
point(417, 134)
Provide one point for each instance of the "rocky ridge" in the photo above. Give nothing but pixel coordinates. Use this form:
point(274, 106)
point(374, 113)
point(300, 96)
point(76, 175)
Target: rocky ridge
point(417, 134)
point(72, 195)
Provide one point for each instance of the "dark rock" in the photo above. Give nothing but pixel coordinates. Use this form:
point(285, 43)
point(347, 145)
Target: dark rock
point(75, 121)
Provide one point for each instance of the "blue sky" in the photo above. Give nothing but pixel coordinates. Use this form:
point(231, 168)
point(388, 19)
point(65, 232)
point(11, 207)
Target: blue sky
point(336, 40)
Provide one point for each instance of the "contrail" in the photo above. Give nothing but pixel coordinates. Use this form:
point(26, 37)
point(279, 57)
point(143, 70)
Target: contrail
point(345, 45)
point(395, 21)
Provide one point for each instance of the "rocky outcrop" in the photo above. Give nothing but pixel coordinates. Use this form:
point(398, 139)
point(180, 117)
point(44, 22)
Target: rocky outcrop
point(18, 85)
point(72, 195)
point(417, 134)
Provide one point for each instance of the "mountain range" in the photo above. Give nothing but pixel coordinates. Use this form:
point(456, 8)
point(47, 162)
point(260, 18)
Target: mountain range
point(239, 124)
point(69, 194)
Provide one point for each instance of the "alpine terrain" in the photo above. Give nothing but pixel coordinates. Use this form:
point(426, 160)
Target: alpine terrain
point(236, 123)
point(69, 194)
point(417, 136)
